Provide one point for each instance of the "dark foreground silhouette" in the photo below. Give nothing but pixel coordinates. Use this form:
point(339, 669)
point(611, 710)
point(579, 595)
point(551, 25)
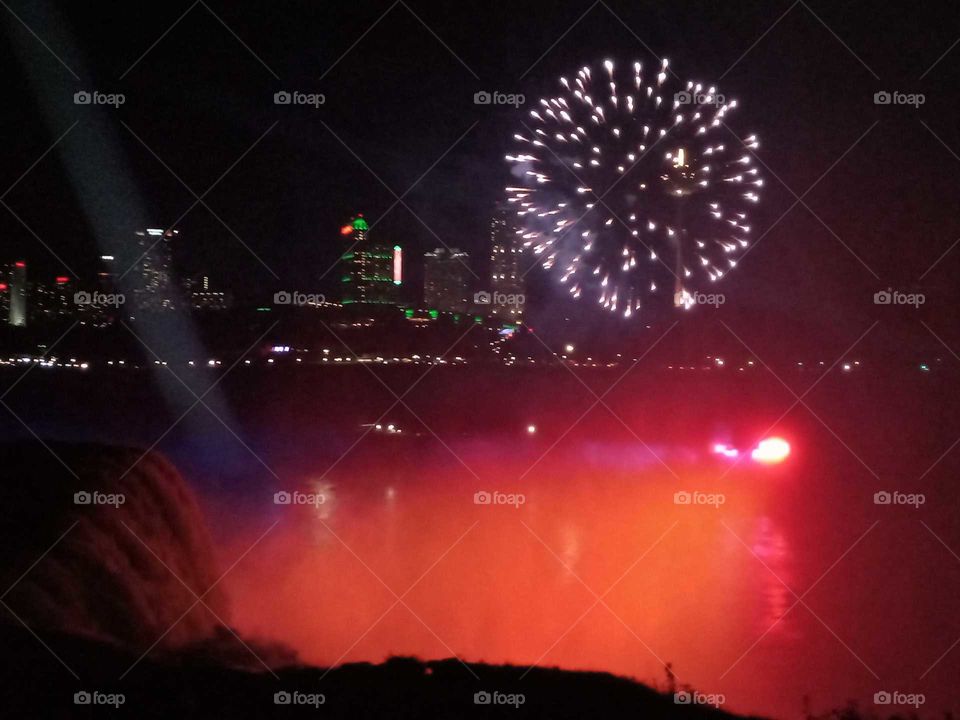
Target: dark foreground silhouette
point(191, 685)
point(85, 627)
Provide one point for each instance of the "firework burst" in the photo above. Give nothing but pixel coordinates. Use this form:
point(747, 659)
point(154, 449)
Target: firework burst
point(630, 184)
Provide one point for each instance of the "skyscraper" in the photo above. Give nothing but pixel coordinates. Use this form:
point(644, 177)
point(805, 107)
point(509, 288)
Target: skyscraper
point(371, 271)
point(18, 294)
point(203, 296)
point(506, 273)
point(446, 282)
point(154, 287)
point(50, 301)
point(107, 274)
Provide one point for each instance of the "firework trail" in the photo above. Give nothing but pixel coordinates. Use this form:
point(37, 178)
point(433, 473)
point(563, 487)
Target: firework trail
point(627, 186)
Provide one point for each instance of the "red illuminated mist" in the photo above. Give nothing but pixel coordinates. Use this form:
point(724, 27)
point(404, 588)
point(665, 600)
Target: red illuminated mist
point(597, 569)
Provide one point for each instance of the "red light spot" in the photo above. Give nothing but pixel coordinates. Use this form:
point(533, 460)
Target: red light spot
point(20, 264)
point(346, 229)
point(3, 286)
point(61, 279)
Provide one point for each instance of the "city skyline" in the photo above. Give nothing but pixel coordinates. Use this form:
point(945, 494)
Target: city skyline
point(311, 151)
point(371, 272)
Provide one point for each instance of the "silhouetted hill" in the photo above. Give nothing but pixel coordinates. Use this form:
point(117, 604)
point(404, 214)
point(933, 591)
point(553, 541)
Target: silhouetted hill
point(36, 684)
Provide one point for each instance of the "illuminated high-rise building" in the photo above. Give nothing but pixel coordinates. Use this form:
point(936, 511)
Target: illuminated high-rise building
point(4, 296)
point(154, 287)
point(17, 283)
point(446, 281)
point(203, 296)
point(52, 301)
point(371, 272)
point(107, 274)
point(506, 273)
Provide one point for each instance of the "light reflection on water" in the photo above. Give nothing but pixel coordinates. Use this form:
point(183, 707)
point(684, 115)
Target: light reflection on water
point(771, 547)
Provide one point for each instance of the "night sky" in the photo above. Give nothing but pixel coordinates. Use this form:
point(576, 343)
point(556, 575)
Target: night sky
point(399, 120)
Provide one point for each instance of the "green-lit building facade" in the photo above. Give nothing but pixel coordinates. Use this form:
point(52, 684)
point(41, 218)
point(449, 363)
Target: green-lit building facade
point(371, 272)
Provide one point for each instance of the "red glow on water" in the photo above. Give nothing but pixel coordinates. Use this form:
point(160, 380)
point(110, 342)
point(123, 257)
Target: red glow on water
point(506, 583)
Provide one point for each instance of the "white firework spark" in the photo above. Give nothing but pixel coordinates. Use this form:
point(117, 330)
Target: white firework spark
point(627, 187)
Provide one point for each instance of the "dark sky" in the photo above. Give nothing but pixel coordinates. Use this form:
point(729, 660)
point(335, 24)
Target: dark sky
point(399, 82)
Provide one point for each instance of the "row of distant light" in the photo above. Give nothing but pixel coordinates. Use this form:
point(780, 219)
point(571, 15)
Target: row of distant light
point(45, 362)
point(285, 349)
point(217, 363)
point(720, 362)
point(415, 359)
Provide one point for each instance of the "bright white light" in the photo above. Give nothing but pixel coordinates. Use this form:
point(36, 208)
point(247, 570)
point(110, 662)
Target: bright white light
point(722, 449)
point(771, 450)
point(531, 429)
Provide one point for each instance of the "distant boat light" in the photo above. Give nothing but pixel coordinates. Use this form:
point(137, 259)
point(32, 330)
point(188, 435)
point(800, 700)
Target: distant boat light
point(771, 450)
point(726, 451)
